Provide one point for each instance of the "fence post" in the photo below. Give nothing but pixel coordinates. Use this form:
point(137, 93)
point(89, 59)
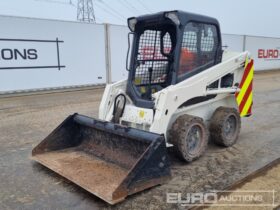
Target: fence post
point(108, 54)
point(244, 42)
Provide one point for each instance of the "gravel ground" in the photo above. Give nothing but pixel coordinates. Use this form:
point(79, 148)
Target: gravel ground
point(27, 120)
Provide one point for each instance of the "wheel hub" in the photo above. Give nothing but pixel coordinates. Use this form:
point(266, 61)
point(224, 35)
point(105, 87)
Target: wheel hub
point(230, 126)
point(194, 137)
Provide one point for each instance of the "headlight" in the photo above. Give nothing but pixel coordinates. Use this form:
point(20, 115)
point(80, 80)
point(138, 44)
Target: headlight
point(132, 23)
point(173, 16)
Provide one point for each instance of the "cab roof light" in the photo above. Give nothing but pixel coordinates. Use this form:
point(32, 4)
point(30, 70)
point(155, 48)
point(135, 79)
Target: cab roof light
point(173, 16)
point(132, 23)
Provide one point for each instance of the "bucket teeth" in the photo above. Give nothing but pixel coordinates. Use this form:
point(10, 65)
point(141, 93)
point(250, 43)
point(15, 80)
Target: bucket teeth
point(106, 159)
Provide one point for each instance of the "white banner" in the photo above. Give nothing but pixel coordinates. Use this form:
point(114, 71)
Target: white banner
point(265, 51)
point(38, 54)
point(119, 46)
point(233, 42)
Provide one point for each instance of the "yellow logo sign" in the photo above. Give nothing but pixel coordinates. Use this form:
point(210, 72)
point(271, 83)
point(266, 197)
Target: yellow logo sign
point(141, 113)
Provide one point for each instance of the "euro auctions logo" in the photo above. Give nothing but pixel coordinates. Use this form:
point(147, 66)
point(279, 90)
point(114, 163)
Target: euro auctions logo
point(224, 198)
point(269, 54)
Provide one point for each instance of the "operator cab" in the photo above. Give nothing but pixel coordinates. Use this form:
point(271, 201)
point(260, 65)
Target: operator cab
point(169, 47)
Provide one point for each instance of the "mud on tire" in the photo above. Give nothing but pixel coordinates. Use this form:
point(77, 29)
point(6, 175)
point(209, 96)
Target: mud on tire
point(189, 135)
point(225, 126)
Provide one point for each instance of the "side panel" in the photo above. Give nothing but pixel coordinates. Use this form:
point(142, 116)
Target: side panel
point(206, 109)
point(169, 99)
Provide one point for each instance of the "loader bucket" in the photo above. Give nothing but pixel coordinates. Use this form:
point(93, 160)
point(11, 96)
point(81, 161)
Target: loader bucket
point(106, 159)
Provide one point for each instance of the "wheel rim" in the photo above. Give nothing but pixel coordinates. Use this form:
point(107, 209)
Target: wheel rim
point(230, 126)
point(194, 137)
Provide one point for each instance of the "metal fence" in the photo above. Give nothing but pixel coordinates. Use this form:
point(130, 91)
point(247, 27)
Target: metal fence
point(41, 54)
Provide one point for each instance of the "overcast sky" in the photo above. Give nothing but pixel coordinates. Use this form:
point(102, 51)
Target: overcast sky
point(251, 17)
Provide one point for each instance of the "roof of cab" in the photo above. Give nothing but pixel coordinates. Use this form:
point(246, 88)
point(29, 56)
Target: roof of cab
point(183, 16)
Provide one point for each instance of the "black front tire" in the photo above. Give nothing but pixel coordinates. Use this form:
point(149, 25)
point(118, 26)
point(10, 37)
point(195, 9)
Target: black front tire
point(189, 136)
point(225, 126)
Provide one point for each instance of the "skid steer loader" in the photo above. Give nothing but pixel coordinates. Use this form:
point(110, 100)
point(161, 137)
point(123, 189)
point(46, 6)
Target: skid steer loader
point(182, 88)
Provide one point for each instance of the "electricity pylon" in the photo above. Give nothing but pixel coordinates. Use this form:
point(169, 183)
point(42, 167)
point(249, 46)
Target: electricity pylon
point(85, 11)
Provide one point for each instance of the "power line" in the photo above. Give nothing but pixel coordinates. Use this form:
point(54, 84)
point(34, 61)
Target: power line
point(71, 3)
point(126, 6)
point(99, 20)
point(144, 6)
point(85, 10)
point(109, 12)
point(53, 1)
point(110, 8)
point(132, 7)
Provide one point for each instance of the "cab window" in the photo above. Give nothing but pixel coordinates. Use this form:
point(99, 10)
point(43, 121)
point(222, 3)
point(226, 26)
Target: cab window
point(198, 49)
point(189, 49)
point(208, 44)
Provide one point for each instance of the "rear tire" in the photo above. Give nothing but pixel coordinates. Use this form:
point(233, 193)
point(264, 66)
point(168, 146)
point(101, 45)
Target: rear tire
point(189, 136)
point(225, 126)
